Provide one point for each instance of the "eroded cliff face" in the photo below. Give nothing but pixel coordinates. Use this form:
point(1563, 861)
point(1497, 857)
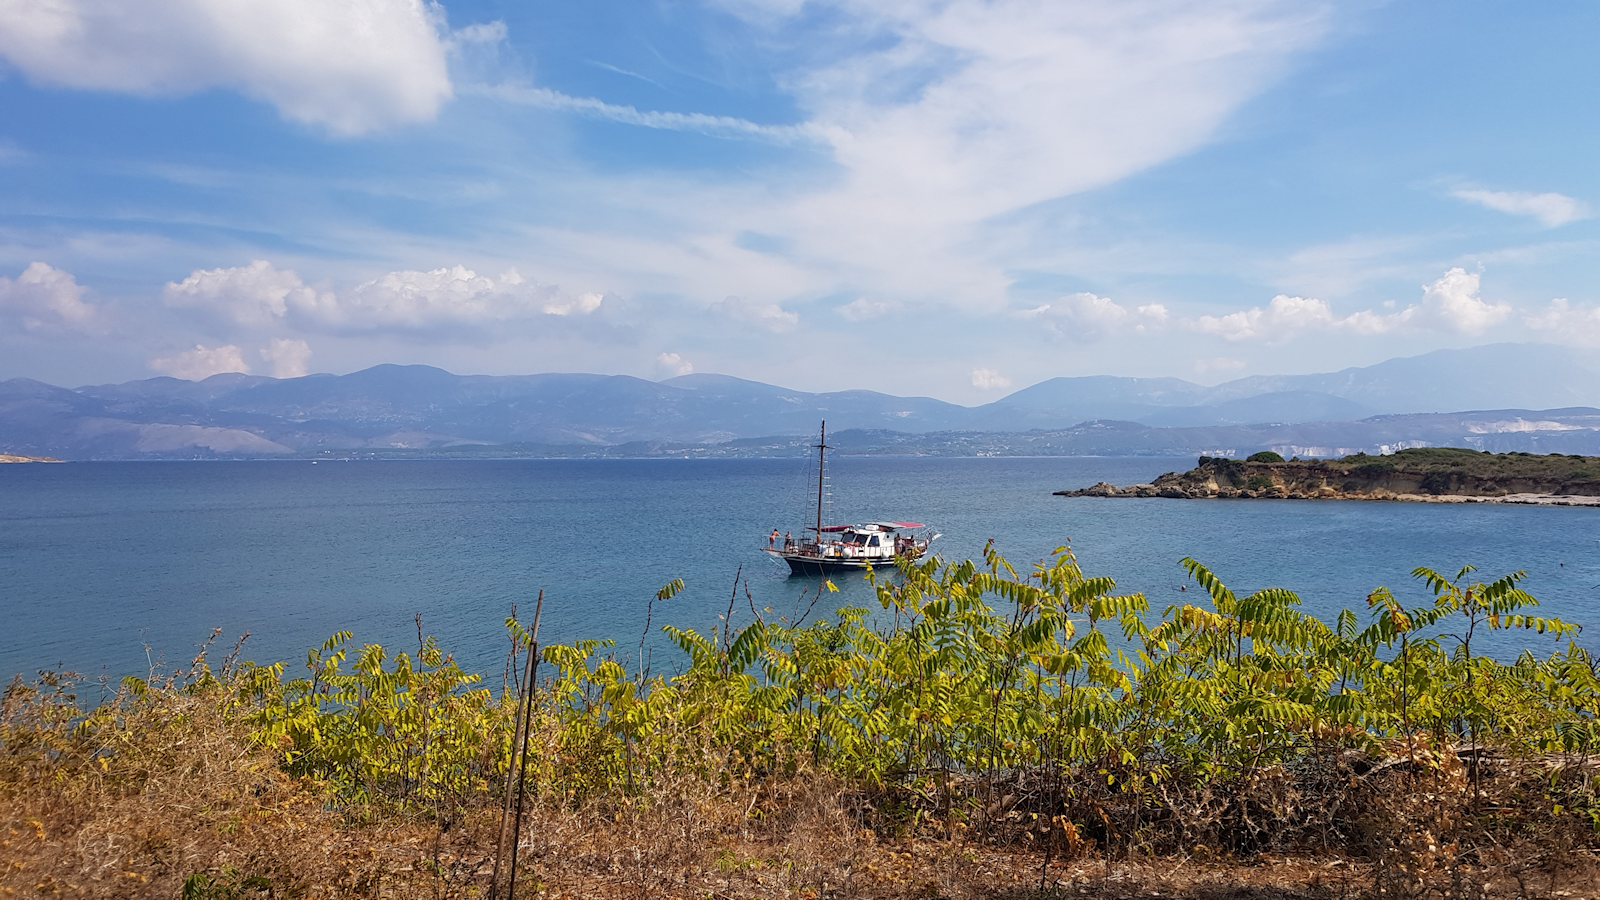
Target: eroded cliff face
point(1361, 477)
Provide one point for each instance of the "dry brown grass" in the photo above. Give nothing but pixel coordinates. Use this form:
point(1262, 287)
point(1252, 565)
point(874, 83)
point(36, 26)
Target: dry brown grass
point(172, 787)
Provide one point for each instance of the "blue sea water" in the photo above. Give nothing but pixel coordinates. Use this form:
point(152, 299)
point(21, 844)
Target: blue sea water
point(106, 568)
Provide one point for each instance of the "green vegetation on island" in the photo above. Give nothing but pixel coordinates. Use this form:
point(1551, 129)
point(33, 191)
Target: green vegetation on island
point(1433, 473)
point(984, 734)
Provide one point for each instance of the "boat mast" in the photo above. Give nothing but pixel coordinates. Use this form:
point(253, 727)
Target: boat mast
point(822, 447)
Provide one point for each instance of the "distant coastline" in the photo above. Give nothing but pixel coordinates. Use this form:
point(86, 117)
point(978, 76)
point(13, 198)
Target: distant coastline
point(14, 458)
point(1431, 475)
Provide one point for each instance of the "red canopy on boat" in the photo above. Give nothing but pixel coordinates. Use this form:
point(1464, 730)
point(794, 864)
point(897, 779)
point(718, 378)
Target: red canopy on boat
point(837, 528)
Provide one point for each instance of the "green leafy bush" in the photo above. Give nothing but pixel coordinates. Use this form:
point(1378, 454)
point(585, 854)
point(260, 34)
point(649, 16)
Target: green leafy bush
point(969, 671)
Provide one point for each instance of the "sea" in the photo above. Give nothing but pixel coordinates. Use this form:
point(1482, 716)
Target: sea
point(116, 568)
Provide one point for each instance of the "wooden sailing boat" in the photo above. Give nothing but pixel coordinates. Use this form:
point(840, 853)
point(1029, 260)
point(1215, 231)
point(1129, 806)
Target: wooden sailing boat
point(837, 548)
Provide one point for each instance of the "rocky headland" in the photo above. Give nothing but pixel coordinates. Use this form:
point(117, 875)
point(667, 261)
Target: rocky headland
point(1434, 474)
point(12, 457)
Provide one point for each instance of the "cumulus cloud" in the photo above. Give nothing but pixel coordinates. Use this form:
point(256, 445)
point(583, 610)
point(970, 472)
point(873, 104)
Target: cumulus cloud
point(1087, 317)
point(1551, 209)
point(255, 294)
point(201, 362)
point(287, 356)
point(351, 66)
point(863, 308)
point(45, 298)
point(989, 379)
point(403, 301)
point(769, 316)
point(1567, 323)
point(582, 306)
point(458, 296)
point(671, 365)
point(1452, 303)
point(1282, 318)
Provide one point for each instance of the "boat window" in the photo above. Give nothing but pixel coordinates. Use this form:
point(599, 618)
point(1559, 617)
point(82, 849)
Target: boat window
point(873, 542)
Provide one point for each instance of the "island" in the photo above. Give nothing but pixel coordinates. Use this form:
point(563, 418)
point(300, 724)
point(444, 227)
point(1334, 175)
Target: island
point(12, 457)
point(1432, 474)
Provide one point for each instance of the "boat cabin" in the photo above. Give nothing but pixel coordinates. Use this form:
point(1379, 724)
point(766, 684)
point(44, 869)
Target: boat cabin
point(873, 540)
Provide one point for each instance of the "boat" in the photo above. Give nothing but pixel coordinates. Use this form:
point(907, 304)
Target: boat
point(842, 548)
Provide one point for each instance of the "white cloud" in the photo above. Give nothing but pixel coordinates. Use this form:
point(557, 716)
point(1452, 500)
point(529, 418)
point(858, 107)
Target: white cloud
point(1218, 364)
point(939, 118)
point(201, 362)
point(769, 316)
point(45, 298)
point(1283, 318)
point(351, 66)
point(862, 308)
point(454, 298)
point(255, 294)
point(947, 113)
point(1086, 317)
point(582, 306)
point(715, 126)
point(671, 365)
point(1452, 303)
point(1568, 324)
point(1549, 208)
point(288, 357)
point(989, 379)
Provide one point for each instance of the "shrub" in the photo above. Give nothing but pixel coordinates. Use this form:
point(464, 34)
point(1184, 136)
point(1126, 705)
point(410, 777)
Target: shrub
point(1264, 456)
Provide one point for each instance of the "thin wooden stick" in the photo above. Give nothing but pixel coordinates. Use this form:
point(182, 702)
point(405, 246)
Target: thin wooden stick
point(516, 771)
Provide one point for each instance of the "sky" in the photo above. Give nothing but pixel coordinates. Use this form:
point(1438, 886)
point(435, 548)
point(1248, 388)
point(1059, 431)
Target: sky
point(949, 198)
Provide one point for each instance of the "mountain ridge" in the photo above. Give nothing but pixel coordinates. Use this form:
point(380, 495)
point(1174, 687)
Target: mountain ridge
point(414, 407)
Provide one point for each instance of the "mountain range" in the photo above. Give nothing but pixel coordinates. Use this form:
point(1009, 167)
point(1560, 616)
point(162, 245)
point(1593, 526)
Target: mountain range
point(392, 408)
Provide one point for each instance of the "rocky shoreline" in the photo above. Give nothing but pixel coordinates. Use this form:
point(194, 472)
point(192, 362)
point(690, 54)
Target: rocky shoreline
point(1434, 475)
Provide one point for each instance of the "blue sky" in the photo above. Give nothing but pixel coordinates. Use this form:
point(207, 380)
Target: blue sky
point(953, 198)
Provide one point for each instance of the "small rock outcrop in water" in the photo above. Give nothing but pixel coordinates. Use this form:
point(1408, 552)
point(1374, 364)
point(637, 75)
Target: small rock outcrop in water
point(1434, 474)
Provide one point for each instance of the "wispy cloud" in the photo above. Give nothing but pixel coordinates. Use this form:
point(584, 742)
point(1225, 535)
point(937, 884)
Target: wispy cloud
point(1218, 364)
point(862, 309)
point(1550, 209)
point(715, 126)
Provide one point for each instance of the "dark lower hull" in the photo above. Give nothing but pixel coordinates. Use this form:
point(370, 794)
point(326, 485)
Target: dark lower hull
point(802, 564)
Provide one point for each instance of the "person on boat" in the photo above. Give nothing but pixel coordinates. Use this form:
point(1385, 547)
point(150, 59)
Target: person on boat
point(788, 542)
point(772, 539)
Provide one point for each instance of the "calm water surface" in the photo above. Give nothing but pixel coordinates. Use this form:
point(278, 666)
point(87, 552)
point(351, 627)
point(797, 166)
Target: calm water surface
point(100, 560)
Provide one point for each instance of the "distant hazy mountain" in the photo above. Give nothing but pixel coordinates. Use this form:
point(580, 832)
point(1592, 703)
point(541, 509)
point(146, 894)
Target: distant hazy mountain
point(417, 407)
point(1497, 376)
